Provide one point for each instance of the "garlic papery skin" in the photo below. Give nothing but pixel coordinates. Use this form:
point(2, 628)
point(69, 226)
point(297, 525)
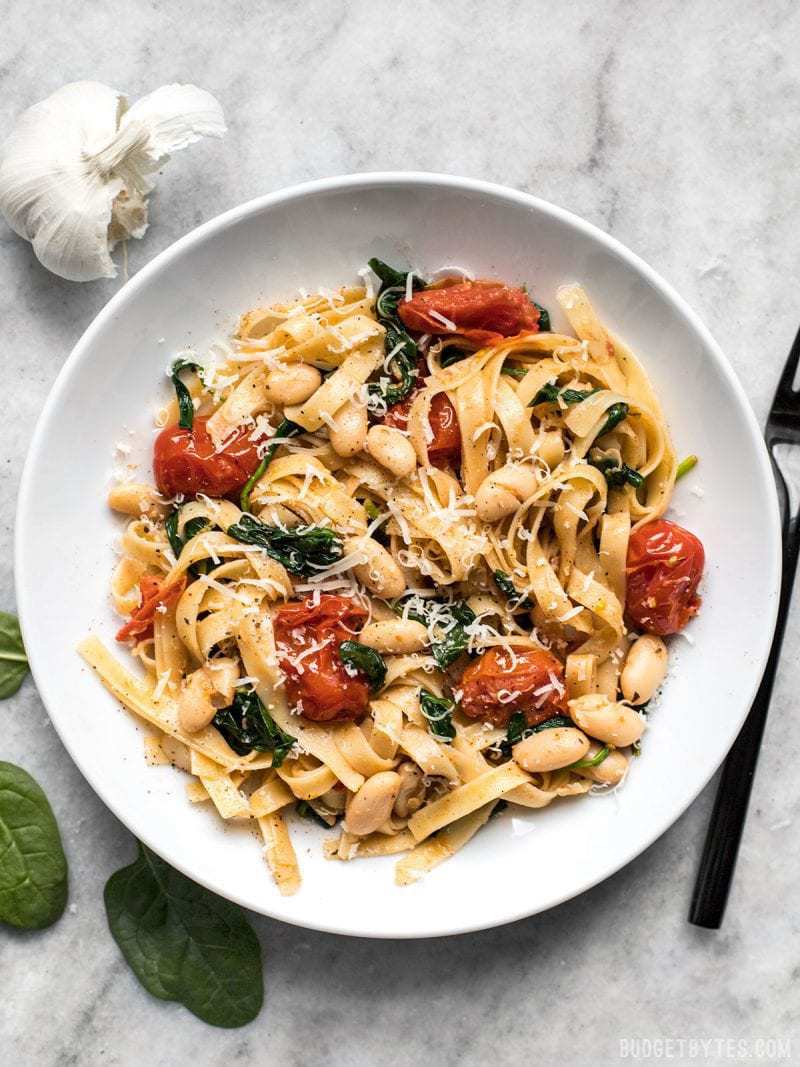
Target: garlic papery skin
point(76, 170)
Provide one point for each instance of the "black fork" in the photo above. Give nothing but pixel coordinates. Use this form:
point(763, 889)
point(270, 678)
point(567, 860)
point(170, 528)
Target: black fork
point(730, 807)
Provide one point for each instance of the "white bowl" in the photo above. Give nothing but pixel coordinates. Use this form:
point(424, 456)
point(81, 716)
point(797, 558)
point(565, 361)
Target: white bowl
point(320, 234)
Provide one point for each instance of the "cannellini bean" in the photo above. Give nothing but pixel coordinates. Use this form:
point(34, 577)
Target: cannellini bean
point(292, 384)
point(195, 706)
point(399, 636)
point(135, 499)
point(501, 492)
point(411, 792)
point(609, 721)
point(379, 573)
point(392, 449)
point(549, 750)
point(551, 448)
point(334, 799)
point(372, 805)
point(348, 434)
point(610, 771)
point(644, 670)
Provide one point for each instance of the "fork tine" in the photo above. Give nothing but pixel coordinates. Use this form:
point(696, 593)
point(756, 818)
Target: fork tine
point(786, 383)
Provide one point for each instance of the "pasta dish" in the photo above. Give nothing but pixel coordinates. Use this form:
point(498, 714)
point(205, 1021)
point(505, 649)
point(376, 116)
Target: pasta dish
point(403, 564)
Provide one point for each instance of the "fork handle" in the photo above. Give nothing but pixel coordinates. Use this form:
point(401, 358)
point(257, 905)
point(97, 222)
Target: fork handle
point(733, 794)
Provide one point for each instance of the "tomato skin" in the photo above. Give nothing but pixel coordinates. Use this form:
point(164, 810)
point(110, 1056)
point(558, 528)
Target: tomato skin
point(496, 670)
point(664, 567)
point(483, 311)
point(319, 684)
point(185, 461)
point(154, 592)
point(445, 448)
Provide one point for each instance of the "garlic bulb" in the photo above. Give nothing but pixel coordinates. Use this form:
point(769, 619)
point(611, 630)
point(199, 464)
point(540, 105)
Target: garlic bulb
point(75, 171)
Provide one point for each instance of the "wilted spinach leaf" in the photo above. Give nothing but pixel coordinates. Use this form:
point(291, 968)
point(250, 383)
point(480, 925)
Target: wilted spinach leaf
point(438, 712)
point(303, 550)
point(366, 660)
point(246, 725)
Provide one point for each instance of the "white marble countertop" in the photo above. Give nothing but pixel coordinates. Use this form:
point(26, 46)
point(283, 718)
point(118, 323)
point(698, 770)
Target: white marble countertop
point(675, 127)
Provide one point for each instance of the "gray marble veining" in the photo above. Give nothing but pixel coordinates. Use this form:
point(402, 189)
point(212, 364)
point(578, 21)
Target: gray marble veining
point(674, 126)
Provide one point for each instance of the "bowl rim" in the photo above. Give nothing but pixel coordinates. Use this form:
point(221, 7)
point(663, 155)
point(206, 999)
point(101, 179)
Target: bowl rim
point(388, 179)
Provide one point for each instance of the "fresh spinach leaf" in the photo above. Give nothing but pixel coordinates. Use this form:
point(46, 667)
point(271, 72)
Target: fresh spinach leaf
point(303, 550)
point(366, 660)
point(185, 402)
point(246, 725)
point(516, 600)
point(13, 661)
point(287, 428)
point(614, 415)
point(33, 868)
point(438, 712)
point(184, 943)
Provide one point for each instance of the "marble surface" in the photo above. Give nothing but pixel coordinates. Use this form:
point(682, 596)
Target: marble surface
point(672, 125)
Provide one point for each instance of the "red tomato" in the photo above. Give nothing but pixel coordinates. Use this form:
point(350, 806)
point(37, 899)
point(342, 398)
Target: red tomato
point(665, 565)
point(185, 461)
point(445, 448)
point(483, 311)
point(154, 592)
point(318, 683)
point(517, 680)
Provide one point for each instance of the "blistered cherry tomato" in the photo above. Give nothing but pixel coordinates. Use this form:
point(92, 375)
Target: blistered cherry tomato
point(665, 565)
point(318, 683)
point(499, 684)
point(186, 461)
point(445, 447)
point(154, 592)
point(483, 311)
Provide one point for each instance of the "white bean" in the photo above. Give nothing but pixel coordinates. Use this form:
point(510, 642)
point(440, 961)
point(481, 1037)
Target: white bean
point(379, 572)
point(392, 449)
point(372, 805)
point(644, 670)
point(399, 636)
point(609, 721)
point(502, 491)
point(551, 749)
point(411, 792)
point(348, 435)
point(195, 707)
point(292, 384)
point(609, 771)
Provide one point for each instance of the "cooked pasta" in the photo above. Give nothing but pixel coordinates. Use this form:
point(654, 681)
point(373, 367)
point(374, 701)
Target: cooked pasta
point(404, 564)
